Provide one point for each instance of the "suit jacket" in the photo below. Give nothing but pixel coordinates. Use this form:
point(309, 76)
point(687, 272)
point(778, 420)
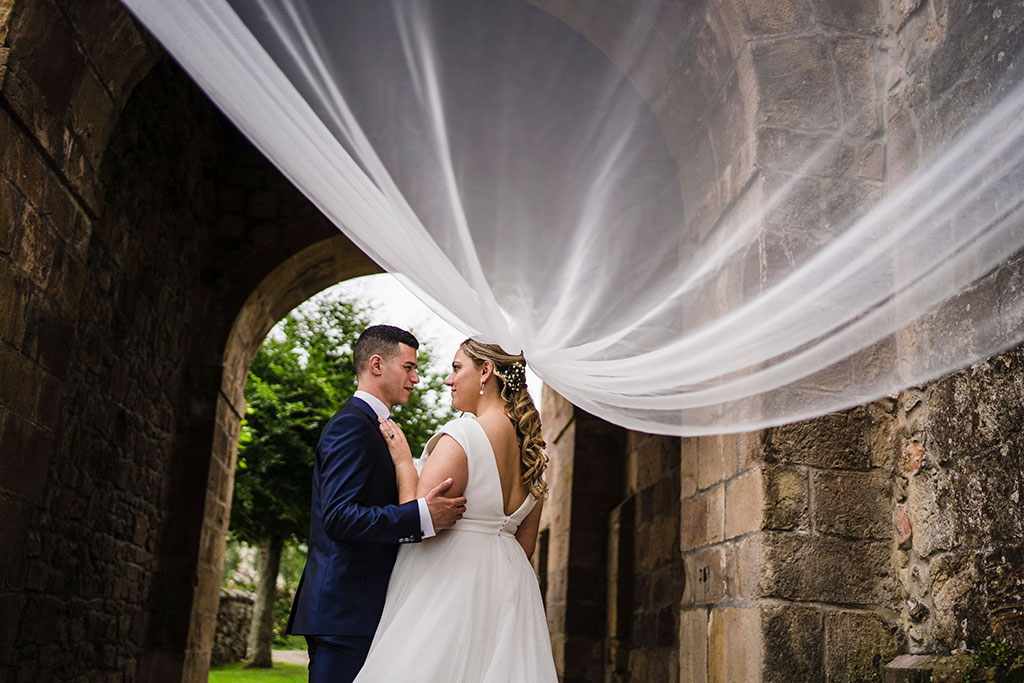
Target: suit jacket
point(355, 528)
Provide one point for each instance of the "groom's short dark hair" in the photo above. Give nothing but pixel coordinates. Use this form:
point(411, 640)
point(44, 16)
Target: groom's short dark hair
point(380, 340)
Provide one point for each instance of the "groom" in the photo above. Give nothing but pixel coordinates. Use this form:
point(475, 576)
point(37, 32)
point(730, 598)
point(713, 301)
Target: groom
point(356, 523)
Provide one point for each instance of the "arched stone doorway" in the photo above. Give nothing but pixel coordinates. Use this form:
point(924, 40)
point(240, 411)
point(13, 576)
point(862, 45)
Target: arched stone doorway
point(145, 248)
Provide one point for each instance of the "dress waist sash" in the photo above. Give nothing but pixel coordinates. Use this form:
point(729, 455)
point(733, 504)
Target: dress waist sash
point(498, 526)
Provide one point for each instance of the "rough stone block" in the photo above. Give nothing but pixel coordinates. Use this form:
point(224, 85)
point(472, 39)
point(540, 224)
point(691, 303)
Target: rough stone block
point(767, 17)
point(114, 43)
point(794, 214)
point(735, 645)
point(716, 514)
point(903, 143)
point(951, 669)
point(958, 597)
point(1004, 593)
point(796, 83)
point(794, 640)
point(872, 162)
point(748, 555)
point(846, 200)
point(693, 645)
point(689, 579)
point(744, 503)
point(50, 338)
point(35, 249)
point(850, 16)
point(711, 572)
point(696, 186)
point(26, 458)
point(693, 523)
point(909, 669)
point(929, 504)
point(688, 468)
point(837, 440)
point(18, 390)
point(13, 534)
point(44, 44)
point(93, 117)
point(852, 504)
point(788, 151)
point(11, 206)
point(818, 568)
point(15, 288)
point(858, 645)
point(748, 447)
point(711, 467)
point(856, 70)
point(786, 498)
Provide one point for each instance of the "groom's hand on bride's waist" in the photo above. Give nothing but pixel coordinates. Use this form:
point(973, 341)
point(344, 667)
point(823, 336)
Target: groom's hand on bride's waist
point(444, 511)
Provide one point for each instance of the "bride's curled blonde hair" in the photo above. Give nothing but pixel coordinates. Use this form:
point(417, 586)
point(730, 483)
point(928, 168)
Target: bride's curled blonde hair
point(510, 372)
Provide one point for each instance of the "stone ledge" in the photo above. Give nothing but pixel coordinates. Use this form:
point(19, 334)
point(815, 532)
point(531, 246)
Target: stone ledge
point(927, 669)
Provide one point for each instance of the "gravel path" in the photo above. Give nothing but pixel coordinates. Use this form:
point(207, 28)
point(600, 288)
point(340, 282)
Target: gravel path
point(291, 656)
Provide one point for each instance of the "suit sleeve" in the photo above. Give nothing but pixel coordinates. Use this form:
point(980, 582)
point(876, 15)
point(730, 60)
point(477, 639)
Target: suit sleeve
point(344, 488)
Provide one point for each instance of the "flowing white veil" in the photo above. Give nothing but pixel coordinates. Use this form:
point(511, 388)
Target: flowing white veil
point(512, 174)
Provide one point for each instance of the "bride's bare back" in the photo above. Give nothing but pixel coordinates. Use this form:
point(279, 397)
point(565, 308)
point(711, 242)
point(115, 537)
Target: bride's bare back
point(502, 435)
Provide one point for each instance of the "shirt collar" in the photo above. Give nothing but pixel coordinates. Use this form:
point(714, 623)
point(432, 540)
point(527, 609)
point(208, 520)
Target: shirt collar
point(374, 402)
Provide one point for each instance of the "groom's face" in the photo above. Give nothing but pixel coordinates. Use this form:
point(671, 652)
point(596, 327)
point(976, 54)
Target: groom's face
point(399, 377)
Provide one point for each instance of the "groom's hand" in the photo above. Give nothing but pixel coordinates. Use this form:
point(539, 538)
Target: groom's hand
point(444, 511)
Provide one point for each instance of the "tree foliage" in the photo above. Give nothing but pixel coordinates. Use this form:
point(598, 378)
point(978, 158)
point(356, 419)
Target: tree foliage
point(301, 376)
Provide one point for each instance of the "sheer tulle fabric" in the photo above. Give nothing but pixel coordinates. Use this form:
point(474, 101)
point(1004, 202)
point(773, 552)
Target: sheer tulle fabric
point(495, 161)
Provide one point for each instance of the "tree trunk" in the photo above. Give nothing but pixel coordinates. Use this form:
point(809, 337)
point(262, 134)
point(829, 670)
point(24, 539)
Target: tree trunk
point(261, 632)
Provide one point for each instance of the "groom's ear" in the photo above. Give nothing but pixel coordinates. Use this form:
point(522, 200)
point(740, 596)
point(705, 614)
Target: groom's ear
point(376, 365)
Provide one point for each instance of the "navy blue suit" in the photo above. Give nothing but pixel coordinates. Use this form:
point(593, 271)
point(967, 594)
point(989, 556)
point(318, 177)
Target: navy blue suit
point(355, 528)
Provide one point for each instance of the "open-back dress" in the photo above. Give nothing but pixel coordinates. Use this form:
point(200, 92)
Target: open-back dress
point(465, 605)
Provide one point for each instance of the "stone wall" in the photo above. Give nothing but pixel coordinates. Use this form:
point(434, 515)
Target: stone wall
point(645, 577)
point(234, 615)
point(103, 334)
point(818, 551)
point(585, 478)
point(145, 247)
point(959, 484)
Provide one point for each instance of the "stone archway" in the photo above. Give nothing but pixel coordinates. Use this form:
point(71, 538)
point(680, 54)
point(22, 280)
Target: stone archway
point(145, 249)
point(311, 270)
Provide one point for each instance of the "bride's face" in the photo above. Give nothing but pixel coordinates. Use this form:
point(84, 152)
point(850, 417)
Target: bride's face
point(464, 382)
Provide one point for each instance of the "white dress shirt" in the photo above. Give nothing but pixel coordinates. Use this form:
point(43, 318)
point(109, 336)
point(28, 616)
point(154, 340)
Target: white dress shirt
point(426, 525)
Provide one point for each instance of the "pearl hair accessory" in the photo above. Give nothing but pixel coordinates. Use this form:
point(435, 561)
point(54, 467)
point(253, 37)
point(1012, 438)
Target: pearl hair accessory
point(515, 376)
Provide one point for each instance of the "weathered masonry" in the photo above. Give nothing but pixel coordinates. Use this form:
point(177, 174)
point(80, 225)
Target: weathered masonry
point(146, 248)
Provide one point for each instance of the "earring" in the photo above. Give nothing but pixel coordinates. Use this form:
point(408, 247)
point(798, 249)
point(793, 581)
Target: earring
point(481, 388)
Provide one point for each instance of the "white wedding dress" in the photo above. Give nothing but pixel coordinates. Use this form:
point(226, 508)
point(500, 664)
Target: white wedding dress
point(465, 605)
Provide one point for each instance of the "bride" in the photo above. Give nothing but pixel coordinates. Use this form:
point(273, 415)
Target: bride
point(465, 605)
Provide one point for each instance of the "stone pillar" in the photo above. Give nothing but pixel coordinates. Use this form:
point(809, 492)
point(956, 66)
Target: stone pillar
point(585, 477)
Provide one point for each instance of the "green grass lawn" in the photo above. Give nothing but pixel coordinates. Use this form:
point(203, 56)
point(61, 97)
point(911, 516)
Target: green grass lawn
point(234, 673)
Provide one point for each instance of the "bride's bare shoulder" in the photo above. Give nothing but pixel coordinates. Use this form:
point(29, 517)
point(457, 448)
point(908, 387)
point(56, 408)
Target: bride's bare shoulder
point(496, 426)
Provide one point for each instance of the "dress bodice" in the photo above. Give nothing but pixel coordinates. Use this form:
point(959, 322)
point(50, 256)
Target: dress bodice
point(485, 505)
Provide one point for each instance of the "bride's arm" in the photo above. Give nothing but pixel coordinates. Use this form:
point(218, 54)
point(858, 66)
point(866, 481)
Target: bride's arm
point(405, 472)
point(528, 530)
point(447, 459)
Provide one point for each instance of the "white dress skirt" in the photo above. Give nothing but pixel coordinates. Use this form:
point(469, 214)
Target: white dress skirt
point(465, 605)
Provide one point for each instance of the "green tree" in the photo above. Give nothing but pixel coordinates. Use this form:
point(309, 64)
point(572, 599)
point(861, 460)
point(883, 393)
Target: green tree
point(301, 375)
